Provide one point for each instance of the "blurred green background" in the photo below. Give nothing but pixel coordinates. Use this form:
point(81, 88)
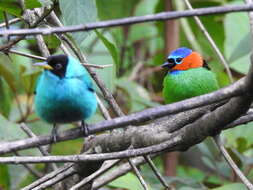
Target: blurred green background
point(135, 79)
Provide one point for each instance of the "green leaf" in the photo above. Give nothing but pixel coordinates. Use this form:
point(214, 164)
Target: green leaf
point(78, 12)
point(5, 97)
point(52, 41)
point(232, 186)
point(235, 157)
point(10, 7)
point(111, 48)
point(243, 48)
point(46, 3)
point(242, 144)
point(6, 73)
point(128, 181)
point(208, 162)
point(9, 130)
point(31, 4)
point(29, 81)
point(108, 74)
point(235, 49)
point(4, 177)
point(115, 8)
point(139, 96)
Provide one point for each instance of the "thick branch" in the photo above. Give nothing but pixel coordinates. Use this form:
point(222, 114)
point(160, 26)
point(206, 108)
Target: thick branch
point(132, 119)
point(130, 20)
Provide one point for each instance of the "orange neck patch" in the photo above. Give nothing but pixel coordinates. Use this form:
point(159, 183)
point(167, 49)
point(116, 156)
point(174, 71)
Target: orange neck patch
point(194, 60)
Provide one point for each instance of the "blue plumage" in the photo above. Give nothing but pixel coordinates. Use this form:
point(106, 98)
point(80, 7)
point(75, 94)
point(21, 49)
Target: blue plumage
point(64, 91)
point(180, 52)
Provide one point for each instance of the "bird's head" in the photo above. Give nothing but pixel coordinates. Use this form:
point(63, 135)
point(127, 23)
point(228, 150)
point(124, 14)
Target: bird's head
point(183, 59)
point(57, 64)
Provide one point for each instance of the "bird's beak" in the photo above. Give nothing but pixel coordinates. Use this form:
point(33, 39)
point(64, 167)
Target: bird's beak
point(43, 65)
point(168, 65)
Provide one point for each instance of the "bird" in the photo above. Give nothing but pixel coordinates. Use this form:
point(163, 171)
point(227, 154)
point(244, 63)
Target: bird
point(189, 75)
point(64, 93)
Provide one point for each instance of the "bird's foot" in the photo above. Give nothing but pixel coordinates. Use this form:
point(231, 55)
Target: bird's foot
point(85, 129)
point(54, 134)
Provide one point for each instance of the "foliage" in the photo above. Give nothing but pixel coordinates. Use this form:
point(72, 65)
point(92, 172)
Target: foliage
point(134, 79)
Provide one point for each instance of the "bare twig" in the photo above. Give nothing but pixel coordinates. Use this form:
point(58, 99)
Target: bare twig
point(25, 54)
point(130, 20)
point(136, 171)
point(157, 173)
point(12, 21)
point(59, 175)
point(41, 149)
point(34, 172)
point(106, 166)
point(212, 42)
point(232, 164)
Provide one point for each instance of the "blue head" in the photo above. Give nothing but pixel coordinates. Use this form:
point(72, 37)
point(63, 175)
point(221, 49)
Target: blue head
point(176, 57)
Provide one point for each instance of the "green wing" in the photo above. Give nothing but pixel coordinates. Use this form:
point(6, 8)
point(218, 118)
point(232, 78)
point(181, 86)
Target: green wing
point(187, 84)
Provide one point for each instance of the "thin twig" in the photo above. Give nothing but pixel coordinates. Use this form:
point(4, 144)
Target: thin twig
point(131, 20)
point(25, 54)
point(41, 149)
point(106, 166)
point(138, 174)
point(212, 43)
point(157, 173)
point(61, 173)
point(12, 21)
point(7, 26)
point(250, 2)
point(231, 163)
point(44, 59)
point(34, 172)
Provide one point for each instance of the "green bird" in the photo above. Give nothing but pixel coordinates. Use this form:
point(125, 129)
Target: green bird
point(188, 76)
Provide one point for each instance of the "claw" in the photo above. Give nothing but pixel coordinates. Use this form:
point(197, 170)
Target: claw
point(54, 134)
point(84, 128)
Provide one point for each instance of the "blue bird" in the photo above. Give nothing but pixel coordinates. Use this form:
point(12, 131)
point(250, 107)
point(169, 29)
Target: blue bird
point(64, 92)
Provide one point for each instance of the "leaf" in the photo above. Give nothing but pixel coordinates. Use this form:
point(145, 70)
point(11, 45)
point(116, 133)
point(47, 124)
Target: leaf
point(46, 3)
point(235, 157)
point(208, 162)
point(78, 12)
point(29, 81)
point(6, 73)
point(242, 144)
point(107, 75)
point(139, 96)
point(128, 181)
point(9, 130)
point(111, 48)
point(232, 186)
point(5, 97)
point(52, 41)
point(10, 7)
point(235, 49)
point(4, 177)
point(31, 4)
point(115, 8)
point(243, 48)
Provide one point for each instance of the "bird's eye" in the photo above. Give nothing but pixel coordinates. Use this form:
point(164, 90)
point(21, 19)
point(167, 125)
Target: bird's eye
point(171, 60)
point(178, 60)
point(58, 66)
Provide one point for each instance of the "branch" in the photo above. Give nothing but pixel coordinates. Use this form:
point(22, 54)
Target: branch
point(232, 164)
point(130, 20)
point(212, 42)
point(132, 119)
